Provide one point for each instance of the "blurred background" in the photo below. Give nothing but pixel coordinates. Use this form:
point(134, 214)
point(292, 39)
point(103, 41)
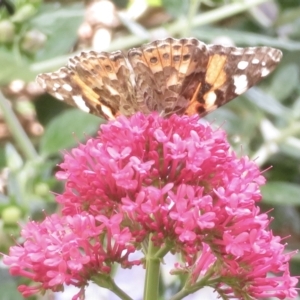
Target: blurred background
point(39, 36)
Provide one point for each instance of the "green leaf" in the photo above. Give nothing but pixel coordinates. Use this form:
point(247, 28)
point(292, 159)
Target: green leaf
point(121, 4)
point(288, 77)
point(2, 158)
point(296, 109)
point(237, 117)
point(24, 13)
point(65, 130)
point(279, 192)
point(176, 8)
point(154, 2)
point(60, 24)
point(289, 16)
point(13, 158)
point(15, 187)
point(207, 33)
point(266, 102)
point(12, 67)
point(291, 147)
point(8, 286)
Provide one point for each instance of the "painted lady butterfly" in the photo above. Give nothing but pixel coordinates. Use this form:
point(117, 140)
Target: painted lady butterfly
point(169, 76)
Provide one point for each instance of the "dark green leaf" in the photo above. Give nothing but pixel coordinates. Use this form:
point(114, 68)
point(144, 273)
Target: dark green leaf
point(13, 66)
point(266, 102)
point(13, 158)
point(60, 24)
point(289, 16)
point(279, 192)
point(65, 130)
point(176, 8)
point(291, 147)
point(208, 34)
point(8, 286)
point(288, 77)
point(121, 3)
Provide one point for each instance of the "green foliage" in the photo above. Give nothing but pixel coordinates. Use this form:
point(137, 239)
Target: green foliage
point(8, 287)
point(276, 192)
point(37, 32)
point(176, 8)
point(62, 132)
point(60, 26)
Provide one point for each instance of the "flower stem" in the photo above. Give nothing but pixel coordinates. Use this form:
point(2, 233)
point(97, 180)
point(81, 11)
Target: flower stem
point(108, 283)
point(193, 8)
point(17, 130)
point(181, 294)
point(119, 292)
point(190, 288)
point(163, 251)
point(152, 273)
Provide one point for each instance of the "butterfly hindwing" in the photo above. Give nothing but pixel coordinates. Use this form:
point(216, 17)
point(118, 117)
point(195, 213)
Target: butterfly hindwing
point(166, 71)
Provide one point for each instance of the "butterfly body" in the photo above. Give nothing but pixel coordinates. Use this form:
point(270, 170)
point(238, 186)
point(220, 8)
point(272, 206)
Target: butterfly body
point(183, 76)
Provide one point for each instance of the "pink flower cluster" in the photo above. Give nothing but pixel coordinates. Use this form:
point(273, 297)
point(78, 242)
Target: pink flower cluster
point(67, 250)
point(174, 180)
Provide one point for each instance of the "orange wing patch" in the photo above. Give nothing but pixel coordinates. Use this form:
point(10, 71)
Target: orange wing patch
point(215, 73)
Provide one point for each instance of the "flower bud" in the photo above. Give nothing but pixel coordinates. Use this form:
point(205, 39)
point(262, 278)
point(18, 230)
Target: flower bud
point(7, 31)
point(41, 189)
point(33, 41)
point(11, 215)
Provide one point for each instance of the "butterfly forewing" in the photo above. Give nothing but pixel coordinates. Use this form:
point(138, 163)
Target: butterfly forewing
point(239, 69)
point(169, 76)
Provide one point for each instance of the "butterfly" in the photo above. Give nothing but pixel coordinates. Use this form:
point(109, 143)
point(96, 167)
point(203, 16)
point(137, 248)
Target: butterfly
point(182, 76)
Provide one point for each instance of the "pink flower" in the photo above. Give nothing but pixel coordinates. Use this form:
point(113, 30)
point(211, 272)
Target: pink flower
point(174, 180)
point(68, 250)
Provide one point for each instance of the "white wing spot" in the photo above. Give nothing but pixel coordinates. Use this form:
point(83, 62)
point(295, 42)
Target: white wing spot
point(263, 63)
point(242, 65)
point(250, 50)
point(237, 51)
point(240, 83)
point(67, 87)
point(112, 90)
point(275, 55)
point(61, 75)
point(80, 103)
point(53, 76)
point(255, 61)
point(210, 99)
point(264, 72)
point(107, 112)
point(59, 96)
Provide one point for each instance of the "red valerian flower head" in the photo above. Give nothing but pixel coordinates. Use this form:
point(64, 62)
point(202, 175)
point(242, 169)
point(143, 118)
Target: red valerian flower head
point(176, 182)
point(69, 250)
